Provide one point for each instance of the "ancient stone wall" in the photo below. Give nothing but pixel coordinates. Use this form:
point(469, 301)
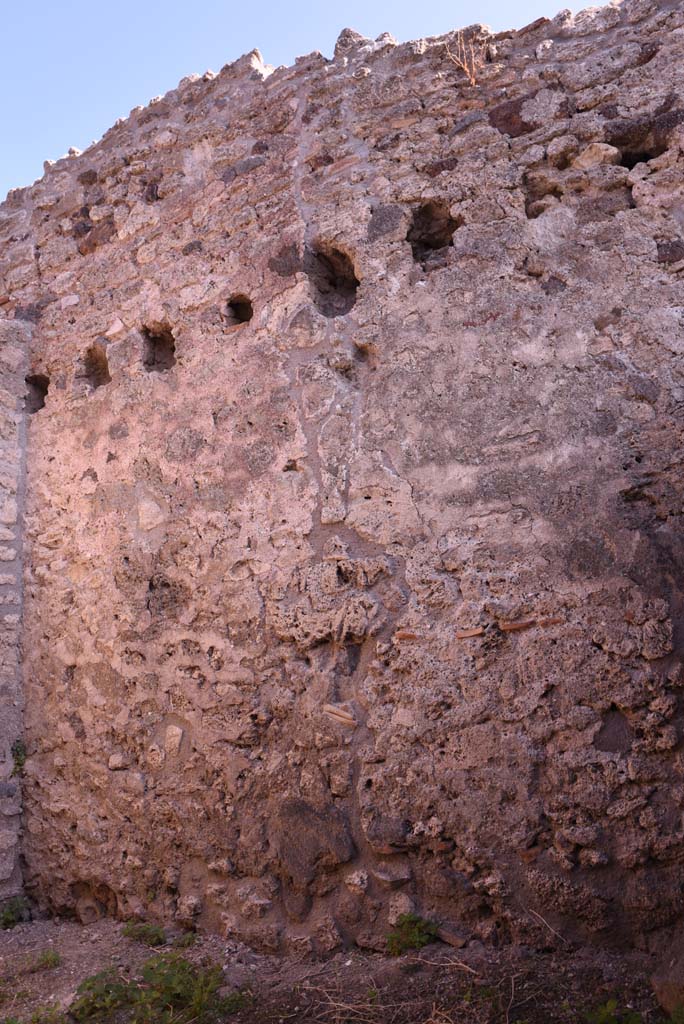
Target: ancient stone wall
point(14, 341)
point(353, 521)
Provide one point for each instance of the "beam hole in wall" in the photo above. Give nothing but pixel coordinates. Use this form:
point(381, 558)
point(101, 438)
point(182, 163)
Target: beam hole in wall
point(37, 385)
point(432, 233)
point(630, 158)
point(96, 367)
point(332, 277)
point(239, 310)
point(159, 352)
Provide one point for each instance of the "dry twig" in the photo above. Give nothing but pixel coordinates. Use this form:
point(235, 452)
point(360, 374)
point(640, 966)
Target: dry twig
point(439, 1017)
point(470, 57)
point(543, 920)
point(510, 1001)
point(451, 962)
point(340, 714)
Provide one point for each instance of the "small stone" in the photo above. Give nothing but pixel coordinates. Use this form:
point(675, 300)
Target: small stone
point(117, 762)
point(150, 515)
point(357, 881)
point(173, 739)
point(349, 40)
point(453, 937)
point(8, 512)
point(188, 909)
point(400, 903)
point(327, 935)
point(115, 329)
point(135, 783)
point(561, 150)
point(155, 756)
point(668, 981)
point(393, 873)
point(596, 154)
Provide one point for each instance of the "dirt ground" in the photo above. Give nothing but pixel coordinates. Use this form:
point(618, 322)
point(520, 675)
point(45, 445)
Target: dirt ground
point(436, 985)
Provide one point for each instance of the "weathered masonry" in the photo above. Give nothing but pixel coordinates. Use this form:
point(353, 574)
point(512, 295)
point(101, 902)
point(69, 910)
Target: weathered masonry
point(350, 399)
point(14, 344)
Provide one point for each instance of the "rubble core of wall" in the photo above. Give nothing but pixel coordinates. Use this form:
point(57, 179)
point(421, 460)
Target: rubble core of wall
point(353, 540)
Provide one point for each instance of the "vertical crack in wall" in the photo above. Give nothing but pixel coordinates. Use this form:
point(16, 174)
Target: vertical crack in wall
point(14, 339)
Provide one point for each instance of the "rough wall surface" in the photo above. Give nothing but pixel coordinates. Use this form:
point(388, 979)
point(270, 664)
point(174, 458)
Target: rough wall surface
point(353, 540)
point(14, 343)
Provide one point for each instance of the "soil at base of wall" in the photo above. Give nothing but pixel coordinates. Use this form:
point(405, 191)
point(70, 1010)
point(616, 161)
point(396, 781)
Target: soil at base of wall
point(436, 985)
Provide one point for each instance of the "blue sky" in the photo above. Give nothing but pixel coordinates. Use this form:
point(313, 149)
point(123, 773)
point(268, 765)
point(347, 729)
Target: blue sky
point(70, 68)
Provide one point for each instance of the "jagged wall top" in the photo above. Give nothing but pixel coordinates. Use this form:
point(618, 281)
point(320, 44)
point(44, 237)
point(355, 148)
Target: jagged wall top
point(351, 48)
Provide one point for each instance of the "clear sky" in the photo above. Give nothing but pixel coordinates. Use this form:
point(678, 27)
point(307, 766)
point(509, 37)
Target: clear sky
point(70, 68)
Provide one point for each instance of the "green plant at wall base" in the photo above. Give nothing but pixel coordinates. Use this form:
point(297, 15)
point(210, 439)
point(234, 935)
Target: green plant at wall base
point(49, 1014)
point(677, 1015)
point(18, 756)
point(100, 996)
point(148, 934)
point(410, 932)
point(170, 990)
point(608, 1013)
point(47, 960)
point(12, 912)
point(16, 994)
point(171, 982)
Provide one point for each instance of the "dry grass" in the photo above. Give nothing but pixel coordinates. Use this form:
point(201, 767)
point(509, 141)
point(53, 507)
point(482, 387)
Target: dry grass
point(336, 1010)
point(435, 985)
point(439, 1017)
